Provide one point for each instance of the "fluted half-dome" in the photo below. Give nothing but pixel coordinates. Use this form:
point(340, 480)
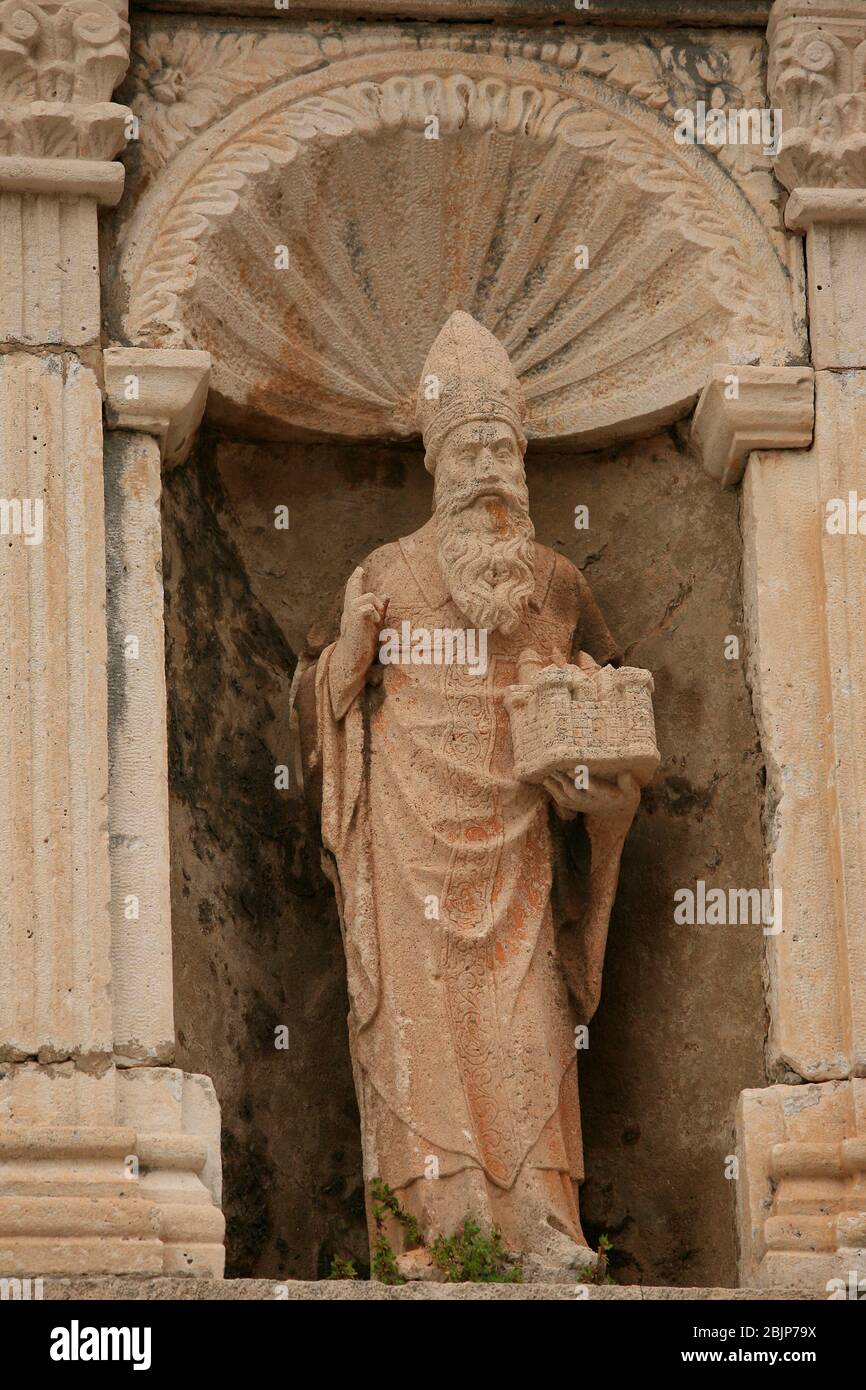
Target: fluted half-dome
point(614, 265)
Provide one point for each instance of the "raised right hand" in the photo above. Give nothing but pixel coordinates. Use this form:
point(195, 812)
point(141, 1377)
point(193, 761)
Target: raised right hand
point(363, 616)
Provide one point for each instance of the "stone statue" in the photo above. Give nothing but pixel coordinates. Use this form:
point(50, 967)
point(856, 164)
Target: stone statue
point(461, 1026)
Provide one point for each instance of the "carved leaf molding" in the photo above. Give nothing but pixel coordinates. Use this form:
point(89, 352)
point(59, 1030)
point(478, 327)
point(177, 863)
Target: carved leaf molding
point(183, 81)
point(214, 191)
point(388, 231)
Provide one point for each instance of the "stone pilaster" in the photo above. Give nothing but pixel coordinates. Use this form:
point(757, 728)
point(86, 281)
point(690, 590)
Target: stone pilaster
point(815, 78)
point(834, 222)
point(154, 401)
point(805, 608)
point(801, 1192)
point(112, 1172)
point(55, 977)
point(107, 1164)
point(59, 133)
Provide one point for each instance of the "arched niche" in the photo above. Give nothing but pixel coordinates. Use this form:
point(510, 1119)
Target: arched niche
point(403, 185)
point(388, 230)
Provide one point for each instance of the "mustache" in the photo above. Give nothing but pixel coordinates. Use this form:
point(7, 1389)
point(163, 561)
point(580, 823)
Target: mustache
point(461, 496)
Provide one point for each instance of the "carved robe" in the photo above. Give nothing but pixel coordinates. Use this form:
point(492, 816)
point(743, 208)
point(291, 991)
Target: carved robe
point(461, 1029)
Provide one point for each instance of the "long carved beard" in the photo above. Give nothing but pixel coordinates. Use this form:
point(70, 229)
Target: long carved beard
point(486, 555)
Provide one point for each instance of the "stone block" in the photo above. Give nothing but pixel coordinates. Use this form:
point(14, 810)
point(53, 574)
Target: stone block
point(744, 408)
point(133, 1194)
point(802, 1184)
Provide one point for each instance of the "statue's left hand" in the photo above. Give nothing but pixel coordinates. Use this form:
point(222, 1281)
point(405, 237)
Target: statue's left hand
point(615, 802)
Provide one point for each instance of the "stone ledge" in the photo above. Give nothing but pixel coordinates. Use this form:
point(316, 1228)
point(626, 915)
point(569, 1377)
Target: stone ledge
point(234, 1290)
point(774, 408)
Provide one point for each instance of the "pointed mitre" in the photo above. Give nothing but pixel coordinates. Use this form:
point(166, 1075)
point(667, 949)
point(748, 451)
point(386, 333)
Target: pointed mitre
point(467, 376)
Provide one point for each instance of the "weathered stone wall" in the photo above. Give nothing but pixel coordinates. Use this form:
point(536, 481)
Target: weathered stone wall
point(681, 1025)
point(257, 940)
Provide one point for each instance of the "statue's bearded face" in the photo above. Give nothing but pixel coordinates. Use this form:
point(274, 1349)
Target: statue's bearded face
point(485, 534)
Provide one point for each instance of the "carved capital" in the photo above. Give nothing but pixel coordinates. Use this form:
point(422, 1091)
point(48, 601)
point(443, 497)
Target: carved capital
point(59, 64)
point(157, 391)
point(746, 408)
point(816, 78)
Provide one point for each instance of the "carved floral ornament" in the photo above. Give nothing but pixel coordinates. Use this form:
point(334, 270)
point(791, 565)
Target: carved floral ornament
point(390, 220)
point(817, 76)
point(185, 80)
point(59, 64)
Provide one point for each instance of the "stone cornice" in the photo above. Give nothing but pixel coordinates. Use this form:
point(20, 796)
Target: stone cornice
point(59, 64)
point(773, 408)
point(815, 76)
point(806, 206)
point(84, 178)
point(157, 391)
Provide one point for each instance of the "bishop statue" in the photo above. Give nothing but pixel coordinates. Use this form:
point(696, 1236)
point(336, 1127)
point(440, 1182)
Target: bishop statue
point(465, 993)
